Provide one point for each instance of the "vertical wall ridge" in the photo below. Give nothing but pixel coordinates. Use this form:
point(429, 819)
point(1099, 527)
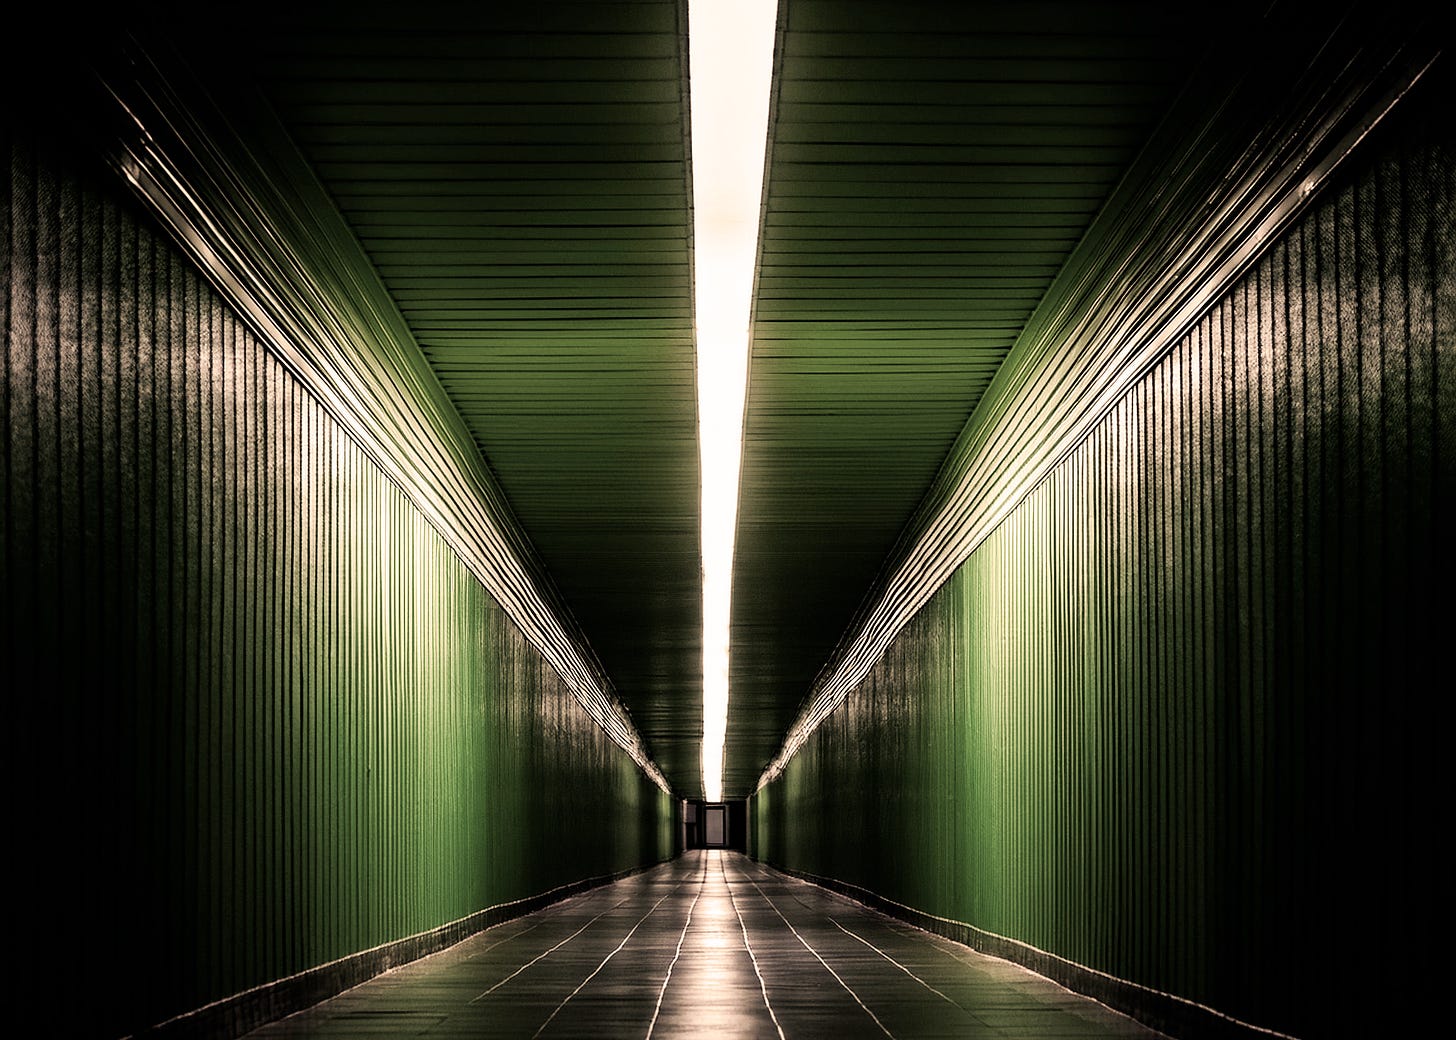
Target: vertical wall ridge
point(263, 716)
point(1168, 724)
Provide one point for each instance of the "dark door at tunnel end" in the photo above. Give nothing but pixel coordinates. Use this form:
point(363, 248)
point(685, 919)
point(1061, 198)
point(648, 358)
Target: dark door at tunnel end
point(716, 825)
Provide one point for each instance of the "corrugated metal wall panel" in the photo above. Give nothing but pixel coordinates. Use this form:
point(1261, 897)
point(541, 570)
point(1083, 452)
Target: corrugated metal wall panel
point(275, 719)
point(1168, 722)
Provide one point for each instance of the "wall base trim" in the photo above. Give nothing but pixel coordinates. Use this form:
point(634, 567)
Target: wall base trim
point(235, 1015)
point(1165, 1012)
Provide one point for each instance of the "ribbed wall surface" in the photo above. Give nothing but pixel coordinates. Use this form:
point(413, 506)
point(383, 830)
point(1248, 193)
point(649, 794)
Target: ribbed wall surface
point(1169, 720)
point(931, 170)
point(274, 719)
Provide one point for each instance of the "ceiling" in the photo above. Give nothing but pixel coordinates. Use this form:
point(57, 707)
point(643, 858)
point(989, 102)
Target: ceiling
point(521, 181)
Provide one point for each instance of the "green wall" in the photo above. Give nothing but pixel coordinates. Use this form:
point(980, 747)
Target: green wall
point(1172, 720)
point(261, 717)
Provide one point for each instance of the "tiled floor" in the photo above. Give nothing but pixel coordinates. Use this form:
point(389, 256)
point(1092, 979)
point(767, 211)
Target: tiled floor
point(715, 945)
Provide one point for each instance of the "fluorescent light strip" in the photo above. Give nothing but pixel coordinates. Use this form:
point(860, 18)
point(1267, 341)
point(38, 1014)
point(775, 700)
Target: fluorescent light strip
point(730, 59)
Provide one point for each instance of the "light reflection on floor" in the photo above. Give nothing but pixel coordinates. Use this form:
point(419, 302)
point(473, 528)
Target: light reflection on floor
point(715, 945)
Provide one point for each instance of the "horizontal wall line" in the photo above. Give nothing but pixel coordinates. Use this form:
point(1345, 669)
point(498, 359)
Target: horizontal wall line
point(266, 233)
point(1129, 292)
point(242, 1012)
point(1165, 1012)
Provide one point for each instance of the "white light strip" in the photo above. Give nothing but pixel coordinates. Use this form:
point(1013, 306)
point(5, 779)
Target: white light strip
point(730, 60)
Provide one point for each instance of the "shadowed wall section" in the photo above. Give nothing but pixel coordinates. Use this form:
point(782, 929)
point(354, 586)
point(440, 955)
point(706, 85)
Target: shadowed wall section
point(276, 720)
point(1170, 721)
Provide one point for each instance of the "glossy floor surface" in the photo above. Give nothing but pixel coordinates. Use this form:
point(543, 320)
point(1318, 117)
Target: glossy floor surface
point(711, 944)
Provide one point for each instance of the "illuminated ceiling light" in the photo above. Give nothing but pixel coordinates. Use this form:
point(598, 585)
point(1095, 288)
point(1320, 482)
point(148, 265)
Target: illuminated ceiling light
point(730, 58)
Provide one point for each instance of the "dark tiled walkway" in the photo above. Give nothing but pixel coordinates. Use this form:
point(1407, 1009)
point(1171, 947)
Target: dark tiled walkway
point(711, 944)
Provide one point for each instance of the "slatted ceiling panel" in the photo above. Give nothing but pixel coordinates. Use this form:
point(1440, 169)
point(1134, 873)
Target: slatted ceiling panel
point(520, 184)
point(932, 167)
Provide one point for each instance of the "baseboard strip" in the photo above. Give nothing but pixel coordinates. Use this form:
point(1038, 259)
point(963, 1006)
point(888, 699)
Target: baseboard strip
point(235, 1015)
point(1176, 1016)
